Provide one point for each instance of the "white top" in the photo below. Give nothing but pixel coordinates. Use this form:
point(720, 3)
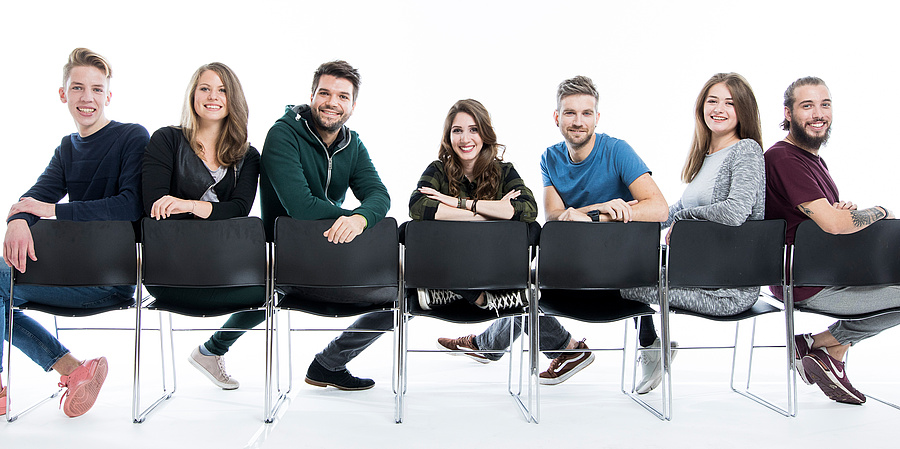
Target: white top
point(699, 192)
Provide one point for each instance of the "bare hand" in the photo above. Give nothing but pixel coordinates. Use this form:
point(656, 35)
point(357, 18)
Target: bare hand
point(345, 229)
point(618, 209)
point(511, 195)
point(844, 205)
point(572, 214)
point(18, 245)
point(32, 206)
point(435, 195)
point(166, 206)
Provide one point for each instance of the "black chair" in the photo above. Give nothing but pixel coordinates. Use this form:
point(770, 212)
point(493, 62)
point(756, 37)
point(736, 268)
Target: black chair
point(74, 254)
point(868, 257)
point(581, 267)
point(335, 280)
point(199, 254)
point(454, 255)
point(703, 254)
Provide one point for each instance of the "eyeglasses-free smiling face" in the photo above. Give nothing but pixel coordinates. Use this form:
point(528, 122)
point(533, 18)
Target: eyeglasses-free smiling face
point(332, 103)
point(576, 118)
point(210, 98)
point(718, 111)
point(810, 117)
point(86, 94)
point(465, 138)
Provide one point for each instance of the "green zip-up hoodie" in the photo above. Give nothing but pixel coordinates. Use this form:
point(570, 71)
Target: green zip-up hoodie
point(299, 179)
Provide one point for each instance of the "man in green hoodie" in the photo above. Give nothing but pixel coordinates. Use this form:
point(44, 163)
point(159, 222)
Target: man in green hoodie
point(308, 162)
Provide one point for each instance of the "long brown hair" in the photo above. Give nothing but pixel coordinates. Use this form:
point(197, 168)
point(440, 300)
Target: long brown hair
point(231, 146)
point(487, 168)
point(748, 126)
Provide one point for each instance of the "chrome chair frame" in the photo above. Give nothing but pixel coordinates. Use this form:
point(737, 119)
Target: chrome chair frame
point(704, 254)
point(115, 262)
point(504, 266)
point(865, 258)
point(304, 260)
point(166, 246)
point(572, 263)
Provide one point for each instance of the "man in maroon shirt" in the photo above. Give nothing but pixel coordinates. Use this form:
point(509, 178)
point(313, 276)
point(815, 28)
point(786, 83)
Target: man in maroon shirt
point(798, 188)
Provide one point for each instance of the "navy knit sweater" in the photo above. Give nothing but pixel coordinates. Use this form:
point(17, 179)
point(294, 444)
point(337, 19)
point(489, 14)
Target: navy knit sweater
point(101, 173)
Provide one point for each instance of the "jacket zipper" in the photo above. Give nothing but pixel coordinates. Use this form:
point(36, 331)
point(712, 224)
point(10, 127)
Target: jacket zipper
point(325, 149)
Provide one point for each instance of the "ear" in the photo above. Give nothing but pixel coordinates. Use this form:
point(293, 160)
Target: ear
point(596, 118)
point(556, 117)
point(787, 113)
point(62, 94)
point(108, 97)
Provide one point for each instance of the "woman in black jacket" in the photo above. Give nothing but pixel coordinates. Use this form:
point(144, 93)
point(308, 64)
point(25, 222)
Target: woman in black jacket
point(206, 169)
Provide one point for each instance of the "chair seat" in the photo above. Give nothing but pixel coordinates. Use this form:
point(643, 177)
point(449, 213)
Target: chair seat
point(799, 307)
point(201, 311)
point(591, 306)
point(76, 312)
point(760, 308)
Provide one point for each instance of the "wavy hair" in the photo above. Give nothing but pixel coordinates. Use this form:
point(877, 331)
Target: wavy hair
point(487, 168)
point(748, 126)
point(82, 57)
point(232, 144)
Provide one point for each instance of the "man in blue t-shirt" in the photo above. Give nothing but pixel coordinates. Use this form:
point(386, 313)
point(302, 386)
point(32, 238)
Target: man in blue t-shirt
point(99, 168)
point(588, 176)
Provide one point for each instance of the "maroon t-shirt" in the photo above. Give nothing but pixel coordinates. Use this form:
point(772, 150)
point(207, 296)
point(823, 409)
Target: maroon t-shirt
point(793, 177)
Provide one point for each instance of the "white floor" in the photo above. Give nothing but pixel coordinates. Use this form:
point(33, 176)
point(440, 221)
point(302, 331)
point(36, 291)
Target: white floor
point(452, 401)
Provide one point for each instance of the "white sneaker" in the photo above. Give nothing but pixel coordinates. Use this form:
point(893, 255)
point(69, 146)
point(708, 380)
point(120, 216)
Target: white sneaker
point(213, 367)
point(651, 367)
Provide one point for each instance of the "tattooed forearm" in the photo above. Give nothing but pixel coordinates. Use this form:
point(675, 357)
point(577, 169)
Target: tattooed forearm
point(805, 210)
point(863, 218)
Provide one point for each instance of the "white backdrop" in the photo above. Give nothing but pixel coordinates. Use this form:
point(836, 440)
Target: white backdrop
point(649, 59)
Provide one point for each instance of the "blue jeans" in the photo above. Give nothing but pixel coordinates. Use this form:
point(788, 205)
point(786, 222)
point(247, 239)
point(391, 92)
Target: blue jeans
point(28, 335)
point(552, 336)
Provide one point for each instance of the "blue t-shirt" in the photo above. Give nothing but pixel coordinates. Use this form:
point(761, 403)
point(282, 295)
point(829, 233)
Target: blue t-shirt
point(604, 175)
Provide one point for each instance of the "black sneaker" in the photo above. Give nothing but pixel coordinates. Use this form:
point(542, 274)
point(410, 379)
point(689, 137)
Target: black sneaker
point(498, 300)
point(342, 380)
point(429, 298)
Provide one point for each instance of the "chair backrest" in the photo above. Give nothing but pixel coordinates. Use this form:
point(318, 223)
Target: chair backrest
point(466, 255)
point(201, 253)
point(82, 253)
point(304, 258)
point(593, 256)
point(713, 255)
point(868, 257)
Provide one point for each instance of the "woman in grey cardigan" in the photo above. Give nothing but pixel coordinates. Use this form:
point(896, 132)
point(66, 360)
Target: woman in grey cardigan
point(726, 183)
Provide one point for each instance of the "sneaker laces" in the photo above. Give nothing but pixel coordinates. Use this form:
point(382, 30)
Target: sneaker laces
point(441, 297)
point(566, 356)
point(220, 361)
point(65, 385)
point(506, 299)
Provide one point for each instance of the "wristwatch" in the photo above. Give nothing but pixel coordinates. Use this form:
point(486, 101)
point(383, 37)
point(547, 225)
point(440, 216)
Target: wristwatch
point(594, 214)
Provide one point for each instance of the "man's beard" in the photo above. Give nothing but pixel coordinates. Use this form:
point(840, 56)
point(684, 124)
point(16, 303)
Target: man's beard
point(330, 128)
point(804, 139)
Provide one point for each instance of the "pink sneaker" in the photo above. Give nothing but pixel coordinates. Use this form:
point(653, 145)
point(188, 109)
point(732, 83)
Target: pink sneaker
point(83, 387)
point(3, 402)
